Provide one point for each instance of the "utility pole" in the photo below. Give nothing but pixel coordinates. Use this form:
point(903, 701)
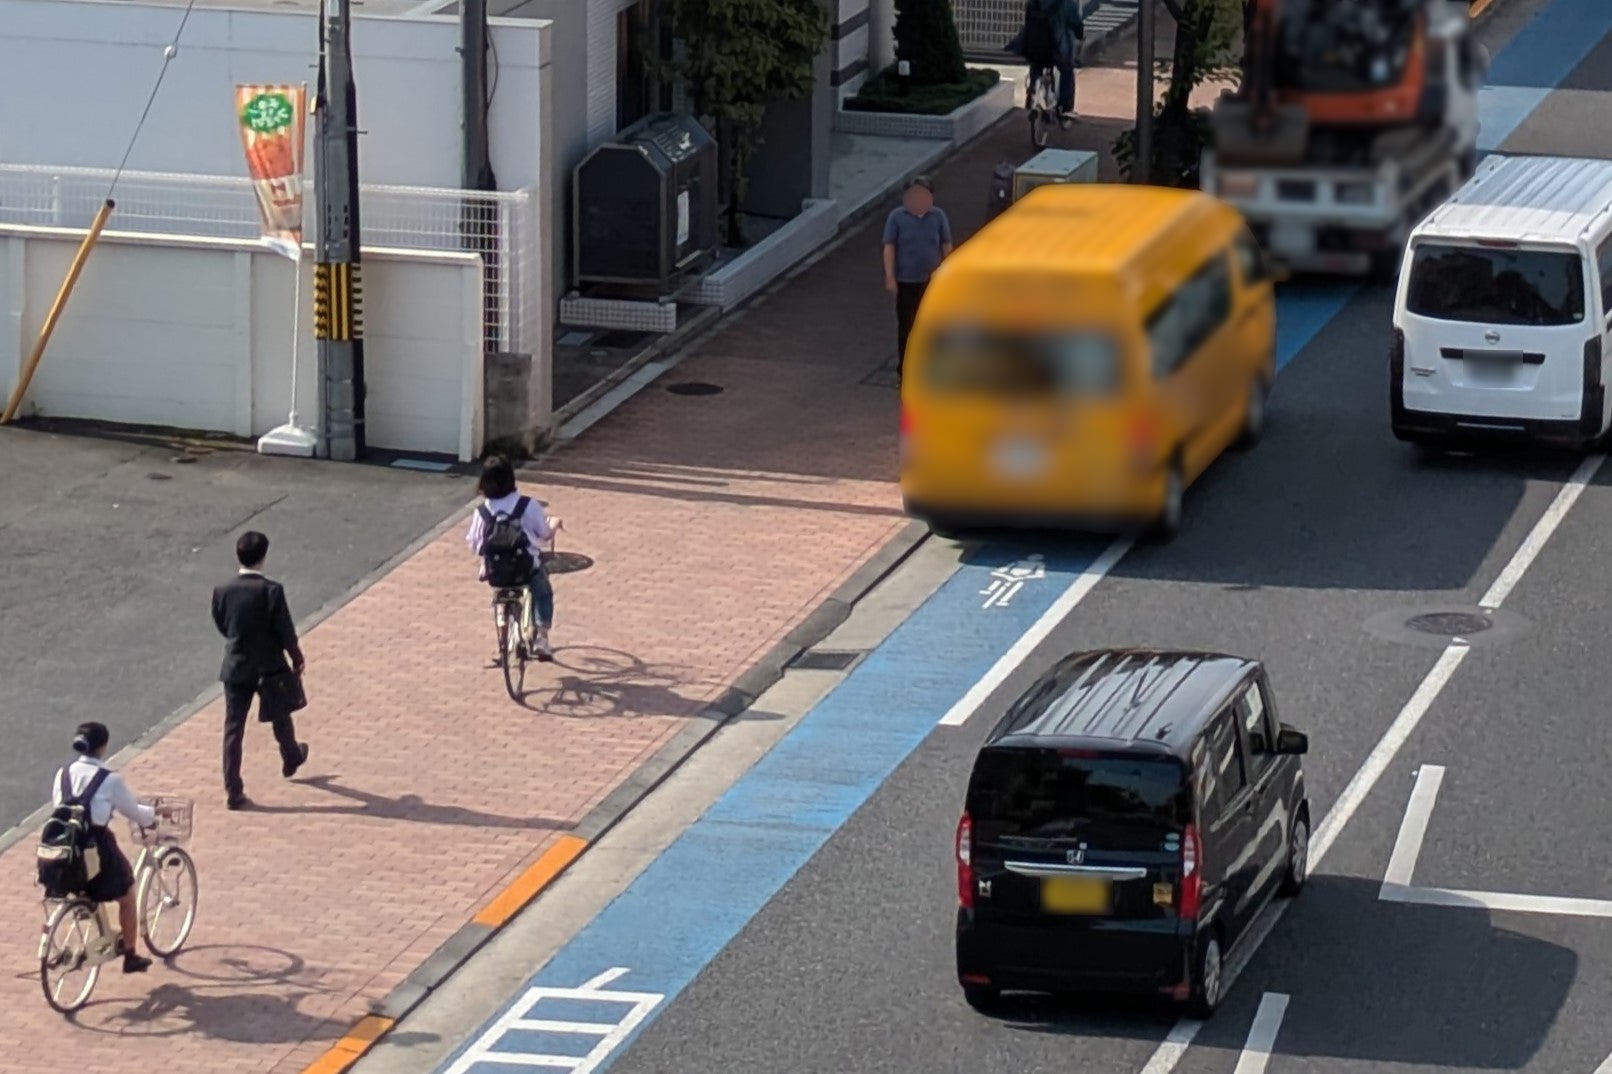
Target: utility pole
point(478, 217)
point(1142, 166)
point(337, 283)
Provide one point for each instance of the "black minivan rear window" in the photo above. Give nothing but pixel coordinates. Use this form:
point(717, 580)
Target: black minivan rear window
point(1487, 285)
point(1044, 792)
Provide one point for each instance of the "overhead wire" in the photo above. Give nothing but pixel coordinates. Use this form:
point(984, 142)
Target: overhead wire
point(168, 54)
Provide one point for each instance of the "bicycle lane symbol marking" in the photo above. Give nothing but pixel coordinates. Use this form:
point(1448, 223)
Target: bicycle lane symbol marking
point(502, 1042)
point(1007, 581)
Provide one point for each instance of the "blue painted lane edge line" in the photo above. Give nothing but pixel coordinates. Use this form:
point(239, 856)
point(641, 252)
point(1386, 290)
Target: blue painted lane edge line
point(693, 899)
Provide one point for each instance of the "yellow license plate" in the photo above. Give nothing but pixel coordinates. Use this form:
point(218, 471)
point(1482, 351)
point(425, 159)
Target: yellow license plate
point(1075, 895)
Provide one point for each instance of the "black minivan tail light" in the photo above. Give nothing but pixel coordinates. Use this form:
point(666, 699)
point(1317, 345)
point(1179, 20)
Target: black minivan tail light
point(1592, 362)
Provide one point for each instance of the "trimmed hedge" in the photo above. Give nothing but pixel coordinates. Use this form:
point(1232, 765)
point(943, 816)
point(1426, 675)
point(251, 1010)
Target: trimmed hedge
point(882, 93)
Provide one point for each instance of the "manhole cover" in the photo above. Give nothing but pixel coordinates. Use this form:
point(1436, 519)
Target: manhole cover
point(569, 563)
point(1450, 624)
point(694, 387)
point(826, 659)
point(1436, 626)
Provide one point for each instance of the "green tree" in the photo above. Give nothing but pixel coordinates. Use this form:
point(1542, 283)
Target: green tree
point(736, 57)
point(1206, 37)
point(926, 37)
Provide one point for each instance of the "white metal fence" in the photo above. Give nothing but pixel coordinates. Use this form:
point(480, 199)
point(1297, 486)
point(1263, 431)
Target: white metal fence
point(502, 226)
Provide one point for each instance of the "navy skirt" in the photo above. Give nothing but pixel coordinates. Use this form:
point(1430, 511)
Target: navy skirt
point(116, 876)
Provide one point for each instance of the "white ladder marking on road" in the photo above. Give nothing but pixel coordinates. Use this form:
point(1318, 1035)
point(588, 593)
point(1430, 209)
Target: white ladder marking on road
point(1413, 829)
point(1174, 1047)
point(1377, 762)
point(1605, 1067)
point(608, 1034)
point(1031, 639)
point(1498, 900)
point(1262, 1034)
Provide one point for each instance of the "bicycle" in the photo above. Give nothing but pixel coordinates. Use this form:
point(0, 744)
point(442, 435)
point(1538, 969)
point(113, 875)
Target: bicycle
point(513, 604)
point(78, 937)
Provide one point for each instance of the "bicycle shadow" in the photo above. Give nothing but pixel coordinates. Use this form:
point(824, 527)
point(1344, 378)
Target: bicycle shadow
point(598, 682)
point(243, 994)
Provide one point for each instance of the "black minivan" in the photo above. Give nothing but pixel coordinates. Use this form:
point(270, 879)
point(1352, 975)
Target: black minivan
point(1125, 823)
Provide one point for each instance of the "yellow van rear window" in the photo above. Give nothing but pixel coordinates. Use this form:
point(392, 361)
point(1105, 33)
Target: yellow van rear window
point(978, 361)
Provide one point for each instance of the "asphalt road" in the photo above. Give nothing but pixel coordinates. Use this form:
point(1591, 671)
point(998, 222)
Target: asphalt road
point(109, 550)
point(1307, 553)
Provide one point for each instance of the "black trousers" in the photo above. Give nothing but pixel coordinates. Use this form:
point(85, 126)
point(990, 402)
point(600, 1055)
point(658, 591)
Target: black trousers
point(237, 705)
point(908, 295)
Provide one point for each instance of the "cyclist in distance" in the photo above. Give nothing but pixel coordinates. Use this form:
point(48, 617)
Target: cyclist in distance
point(115, 880)
point(507, 531)
point(1050, 37)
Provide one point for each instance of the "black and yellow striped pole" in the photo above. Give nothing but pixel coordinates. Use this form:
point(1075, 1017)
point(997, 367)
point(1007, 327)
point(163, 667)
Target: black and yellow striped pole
point(338, 320)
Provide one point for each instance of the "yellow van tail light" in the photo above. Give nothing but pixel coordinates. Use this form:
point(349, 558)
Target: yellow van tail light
point(1143, 441)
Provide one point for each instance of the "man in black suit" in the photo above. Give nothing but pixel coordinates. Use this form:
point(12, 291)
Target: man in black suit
point(252, 615)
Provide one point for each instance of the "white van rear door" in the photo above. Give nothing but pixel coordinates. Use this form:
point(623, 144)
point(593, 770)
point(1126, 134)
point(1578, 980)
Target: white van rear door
point(1496, 330)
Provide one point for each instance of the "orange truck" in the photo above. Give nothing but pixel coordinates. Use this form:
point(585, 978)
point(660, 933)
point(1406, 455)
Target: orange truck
point(1354, 118)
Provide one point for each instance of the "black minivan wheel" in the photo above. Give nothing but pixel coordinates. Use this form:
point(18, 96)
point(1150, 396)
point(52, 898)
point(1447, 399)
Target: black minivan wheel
point(982, 998)
point(1208, 978)
point(1298, 856)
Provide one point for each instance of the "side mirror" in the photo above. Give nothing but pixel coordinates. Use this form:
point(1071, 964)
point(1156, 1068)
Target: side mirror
point(1291, 742)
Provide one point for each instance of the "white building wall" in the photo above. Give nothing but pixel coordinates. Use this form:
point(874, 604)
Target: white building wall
point(85, 67)
point(197, 334)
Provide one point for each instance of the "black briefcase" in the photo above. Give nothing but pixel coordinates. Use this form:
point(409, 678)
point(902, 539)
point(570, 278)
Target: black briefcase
point(280, 692)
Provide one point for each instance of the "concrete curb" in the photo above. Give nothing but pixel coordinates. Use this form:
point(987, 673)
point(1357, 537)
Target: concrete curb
point(552, 863)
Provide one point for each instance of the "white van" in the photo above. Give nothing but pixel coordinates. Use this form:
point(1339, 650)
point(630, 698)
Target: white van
point(1502, 314)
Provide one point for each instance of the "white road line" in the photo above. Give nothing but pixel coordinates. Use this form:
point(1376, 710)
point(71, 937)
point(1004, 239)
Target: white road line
point(1413, 829)
point(1497, 900)
point(1031, 639)
point(1377, 762)
point(1262, 1034)
point(1534, 543)
point(594, 984)
point(1174, 1047)
point(1605, 1067)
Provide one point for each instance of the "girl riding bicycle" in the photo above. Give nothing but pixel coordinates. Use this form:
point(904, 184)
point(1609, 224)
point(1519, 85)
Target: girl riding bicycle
point(114, 882)
point(502, 499)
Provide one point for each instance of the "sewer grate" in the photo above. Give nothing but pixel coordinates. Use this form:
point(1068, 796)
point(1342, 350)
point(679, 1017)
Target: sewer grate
point(694, 387)
point(1450, 624)
point(568, 562)
point(827, 659)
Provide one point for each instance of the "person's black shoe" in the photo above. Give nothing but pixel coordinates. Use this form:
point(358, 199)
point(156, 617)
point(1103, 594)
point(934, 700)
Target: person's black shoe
point(133, 963)
point(289, 770)
point(238, 802)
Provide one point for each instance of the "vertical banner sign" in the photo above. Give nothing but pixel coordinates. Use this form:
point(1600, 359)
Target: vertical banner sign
point(273, 122)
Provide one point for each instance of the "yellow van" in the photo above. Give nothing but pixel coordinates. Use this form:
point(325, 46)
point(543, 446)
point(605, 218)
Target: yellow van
point(1084, 358)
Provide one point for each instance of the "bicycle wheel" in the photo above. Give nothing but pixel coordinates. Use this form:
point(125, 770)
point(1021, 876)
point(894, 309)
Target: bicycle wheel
point(1040, 127)
point(65, 971)
point(513, 648)
point(167, 899)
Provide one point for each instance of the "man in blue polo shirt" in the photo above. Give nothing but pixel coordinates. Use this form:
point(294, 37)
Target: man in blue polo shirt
point(917, 236)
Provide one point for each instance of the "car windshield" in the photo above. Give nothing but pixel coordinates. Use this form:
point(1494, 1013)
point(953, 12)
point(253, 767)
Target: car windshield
point(979, 361)
point(1488, 285)
point(1049, 794)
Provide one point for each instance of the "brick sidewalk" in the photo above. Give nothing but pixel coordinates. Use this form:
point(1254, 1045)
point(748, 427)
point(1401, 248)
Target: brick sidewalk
point(716, 523)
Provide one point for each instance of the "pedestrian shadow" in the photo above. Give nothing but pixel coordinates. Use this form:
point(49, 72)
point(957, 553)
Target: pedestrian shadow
point(409, 807)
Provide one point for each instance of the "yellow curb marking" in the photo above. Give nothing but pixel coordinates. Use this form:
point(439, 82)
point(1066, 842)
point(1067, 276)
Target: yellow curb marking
point(505, 905)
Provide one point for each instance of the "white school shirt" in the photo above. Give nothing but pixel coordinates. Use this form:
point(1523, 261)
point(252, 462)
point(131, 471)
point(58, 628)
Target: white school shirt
point(112, 795)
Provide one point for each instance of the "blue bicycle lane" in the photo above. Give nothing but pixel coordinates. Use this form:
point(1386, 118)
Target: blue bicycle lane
point(587, 1004)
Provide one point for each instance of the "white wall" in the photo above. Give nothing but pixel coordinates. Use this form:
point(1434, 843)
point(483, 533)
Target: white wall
point(196, 334)
point(85, 68)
